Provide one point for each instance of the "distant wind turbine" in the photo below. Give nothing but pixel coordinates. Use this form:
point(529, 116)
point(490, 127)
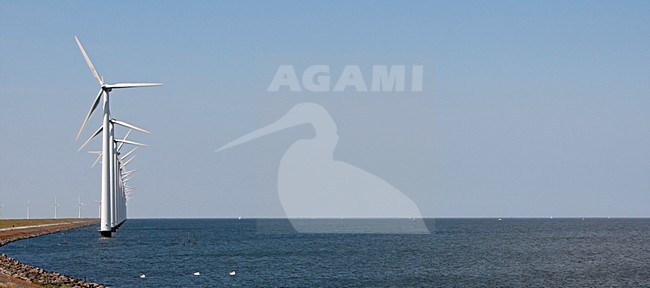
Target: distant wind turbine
point(79, 204)
point(311, 183)
point(1, 206)
point(56, 206)
point(28, 205)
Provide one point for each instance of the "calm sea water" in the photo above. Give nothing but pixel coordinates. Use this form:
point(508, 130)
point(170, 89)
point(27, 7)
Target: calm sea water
point(459, 253)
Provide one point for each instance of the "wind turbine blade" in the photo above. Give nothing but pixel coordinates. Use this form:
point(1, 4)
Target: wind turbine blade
point(127, 173)
point(127, 161)
point(90, 112)
point(130, 126)
point(90, 64)
point(91, 138)
point(119, 146)
point(131, 85)
point(128, 133)
point(94, 152)
point(131, 142)
point(99, 158)
point(129, 153)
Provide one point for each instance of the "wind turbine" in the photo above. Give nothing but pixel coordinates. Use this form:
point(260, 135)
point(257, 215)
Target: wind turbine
point(1, 206)
point(117, 207)
point(108, 189)
point(56, 206)
point(312, 184)
point(28, 205)
point(79, 204)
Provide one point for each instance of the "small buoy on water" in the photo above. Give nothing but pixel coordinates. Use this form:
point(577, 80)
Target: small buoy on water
point(142, 276)
point(232, 273)
point(197, 273)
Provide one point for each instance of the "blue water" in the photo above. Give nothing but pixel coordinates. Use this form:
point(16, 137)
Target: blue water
point(459, 253)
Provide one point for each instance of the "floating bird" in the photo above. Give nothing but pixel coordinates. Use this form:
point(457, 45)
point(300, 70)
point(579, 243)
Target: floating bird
point(232, 273)
point(197, 273)
point(142, 276)
point(312, 184)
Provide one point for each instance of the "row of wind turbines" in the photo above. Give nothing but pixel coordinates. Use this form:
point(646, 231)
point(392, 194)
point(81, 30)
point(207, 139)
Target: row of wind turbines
point(115, 192)
point(56, 206)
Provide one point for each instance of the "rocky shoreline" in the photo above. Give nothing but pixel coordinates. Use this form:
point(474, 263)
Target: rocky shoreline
point(15, 269)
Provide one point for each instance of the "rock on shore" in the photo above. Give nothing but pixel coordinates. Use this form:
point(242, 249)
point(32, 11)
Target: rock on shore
point(13, 268)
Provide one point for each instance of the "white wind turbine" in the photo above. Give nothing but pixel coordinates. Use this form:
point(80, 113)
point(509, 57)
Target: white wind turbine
point(29, 206)
point(56, 206)
point(79, 204)
point(126, 176)
point(123, 193)
point(123, 190)
point(108, 189)
point(1, 206)
point(117, 199)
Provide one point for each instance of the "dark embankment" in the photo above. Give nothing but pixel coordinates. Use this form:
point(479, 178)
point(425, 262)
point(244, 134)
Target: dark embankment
point(16, 274)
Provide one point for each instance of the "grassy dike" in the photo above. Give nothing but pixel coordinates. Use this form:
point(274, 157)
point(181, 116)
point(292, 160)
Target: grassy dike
point(13, 223)
point(16, 274)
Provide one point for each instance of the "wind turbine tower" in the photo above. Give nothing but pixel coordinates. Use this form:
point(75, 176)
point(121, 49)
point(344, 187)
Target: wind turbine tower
point(56, 206)
point(29, 206)
point(79, 204)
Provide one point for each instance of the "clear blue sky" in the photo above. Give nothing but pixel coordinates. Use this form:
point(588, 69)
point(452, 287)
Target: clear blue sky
point(534, 108)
